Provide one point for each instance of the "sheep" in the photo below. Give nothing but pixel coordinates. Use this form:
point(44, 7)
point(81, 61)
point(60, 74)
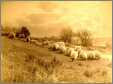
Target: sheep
point(97, 55)
point(77, 48)
point(90, 55)
point(61, 43)
point(54, 46)
point(71, 53)
point(82, 54)
point(74, 55)
point(50, 45)
point(57, 46)
point(93, 55)
point(68, 51)
point(62, 49)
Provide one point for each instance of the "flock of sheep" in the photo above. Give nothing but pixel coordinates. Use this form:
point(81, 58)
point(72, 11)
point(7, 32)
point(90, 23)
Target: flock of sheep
point(76, 52)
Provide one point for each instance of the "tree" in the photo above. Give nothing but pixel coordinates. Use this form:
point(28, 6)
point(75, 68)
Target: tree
point(22, 32)
point(25, 31)
point(66, 35)
point(85, 37)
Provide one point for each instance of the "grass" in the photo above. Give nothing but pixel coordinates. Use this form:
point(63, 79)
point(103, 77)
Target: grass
point(25, 62)
point(88, 73)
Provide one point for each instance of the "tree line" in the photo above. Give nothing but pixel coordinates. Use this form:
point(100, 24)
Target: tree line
point(66, 34)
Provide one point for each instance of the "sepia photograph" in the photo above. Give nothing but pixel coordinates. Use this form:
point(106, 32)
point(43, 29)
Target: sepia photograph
point(56, 41)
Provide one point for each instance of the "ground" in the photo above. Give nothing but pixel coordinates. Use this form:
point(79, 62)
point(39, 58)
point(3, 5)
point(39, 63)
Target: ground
point(19, 64)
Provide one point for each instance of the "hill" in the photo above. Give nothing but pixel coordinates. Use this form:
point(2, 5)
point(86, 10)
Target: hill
point(26, 62)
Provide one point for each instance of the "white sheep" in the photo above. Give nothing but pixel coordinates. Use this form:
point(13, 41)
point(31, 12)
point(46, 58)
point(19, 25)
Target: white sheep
point(94, 54)
point(54, 46)
point(98, 55)
point(62, 49)
point(57, 46)
point(68, 51)
point(50, 44)
point(82, 54)
point(71, 53)
point(74, 55)
point(77, 48)
point(90, 55)
point(61, 43)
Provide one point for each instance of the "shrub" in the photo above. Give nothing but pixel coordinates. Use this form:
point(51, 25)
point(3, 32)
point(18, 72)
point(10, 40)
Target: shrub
point(66, 35)
point(88, 73)
point(104, 73)
point(85, 37)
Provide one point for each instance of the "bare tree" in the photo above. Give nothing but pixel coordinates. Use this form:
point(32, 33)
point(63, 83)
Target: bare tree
point(85, 37)
point(66, 35)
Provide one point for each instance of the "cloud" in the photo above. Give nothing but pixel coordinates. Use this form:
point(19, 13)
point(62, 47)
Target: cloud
point(47, 6)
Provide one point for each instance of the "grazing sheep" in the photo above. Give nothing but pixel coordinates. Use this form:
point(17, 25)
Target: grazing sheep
point(97, 55)
point(57, 46)
point(90, 55)
point(82, 54)
point(61, 43)
point(69, 51)
point(50, 44)
point(93, 55)
point(62, 49)
point(54, 46)
point(74, 55)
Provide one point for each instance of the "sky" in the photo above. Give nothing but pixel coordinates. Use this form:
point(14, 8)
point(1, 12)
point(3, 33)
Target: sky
point(47, 18)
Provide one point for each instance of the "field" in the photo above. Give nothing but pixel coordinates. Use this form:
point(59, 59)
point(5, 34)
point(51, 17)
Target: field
point(21, 63)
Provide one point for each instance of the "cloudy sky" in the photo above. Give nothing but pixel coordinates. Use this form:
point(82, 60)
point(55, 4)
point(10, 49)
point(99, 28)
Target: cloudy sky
point(48, 18)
